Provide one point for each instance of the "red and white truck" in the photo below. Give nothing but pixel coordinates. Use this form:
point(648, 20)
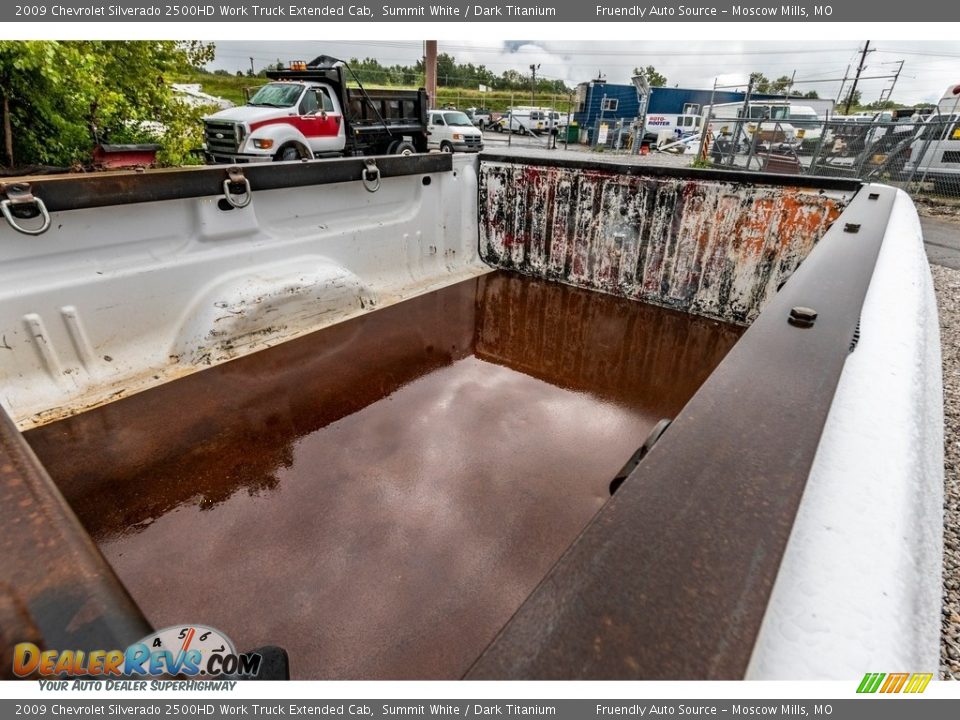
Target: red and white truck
point(309, 111)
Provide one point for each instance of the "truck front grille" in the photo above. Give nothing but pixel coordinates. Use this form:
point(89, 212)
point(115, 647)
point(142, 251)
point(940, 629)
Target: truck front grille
point(222, 136)
point(473, 140)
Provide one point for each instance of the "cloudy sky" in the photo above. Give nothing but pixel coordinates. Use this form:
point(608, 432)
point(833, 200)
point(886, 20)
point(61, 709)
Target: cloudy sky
point(929, 67)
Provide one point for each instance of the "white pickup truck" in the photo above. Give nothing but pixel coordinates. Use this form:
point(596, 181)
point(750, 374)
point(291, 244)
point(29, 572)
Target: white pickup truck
point(483, 416)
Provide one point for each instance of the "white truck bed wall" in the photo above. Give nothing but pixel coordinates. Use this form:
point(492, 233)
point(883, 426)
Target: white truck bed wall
point(859, 586)
point(113, 300)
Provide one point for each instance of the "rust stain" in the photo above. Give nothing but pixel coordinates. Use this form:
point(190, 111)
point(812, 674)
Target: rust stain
point(379, 497)
point(710, 247)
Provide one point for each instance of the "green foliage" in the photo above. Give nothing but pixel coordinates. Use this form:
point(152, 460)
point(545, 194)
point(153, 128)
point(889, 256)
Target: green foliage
point(63, 95)
point(851, 100)
point(762, 84)
point(450, 73)
point(654, 78)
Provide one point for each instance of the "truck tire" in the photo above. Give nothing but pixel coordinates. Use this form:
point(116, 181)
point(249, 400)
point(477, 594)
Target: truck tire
point(286, 153)
point(403, 148)
point(446, 147)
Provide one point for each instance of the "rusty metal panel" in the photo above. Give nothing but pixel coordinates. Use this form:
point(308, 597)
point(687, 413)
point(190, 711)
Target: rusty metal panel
point(73, 191)
point(714, 247)
point(56, 590)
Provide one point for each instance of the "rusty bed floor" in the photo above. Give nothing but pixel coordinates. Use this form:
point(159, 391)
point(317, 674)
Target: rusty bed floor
point(380, 496)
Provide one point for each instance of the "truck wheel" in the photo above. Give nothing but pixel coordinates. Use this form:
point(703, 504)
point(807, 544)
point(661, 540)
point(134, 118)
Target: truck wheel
point(446, 147)
point(289, 152)
point(403, 148)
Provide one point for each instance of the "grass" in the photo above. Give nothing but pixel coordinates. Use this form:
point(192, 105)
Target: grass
point(232, 88)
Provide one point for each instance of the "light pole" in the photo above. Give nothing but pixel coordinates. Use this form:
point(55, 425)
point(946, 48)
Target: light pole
point(533, 83)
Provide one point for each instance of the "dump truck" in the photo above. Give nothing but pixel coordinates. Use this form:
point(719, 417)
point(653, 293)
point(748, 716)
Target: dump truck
point(310, 110)
point(492, 416)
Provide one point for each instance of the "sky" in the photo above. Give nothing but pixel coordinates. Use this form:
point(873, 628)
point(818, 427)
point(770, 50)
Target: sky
point(928, 69)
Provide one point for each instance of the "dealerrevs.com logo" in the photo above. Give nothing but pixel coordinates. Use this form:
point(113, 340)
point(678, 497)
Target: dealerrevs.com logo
point(190, 650)
point(894, 683)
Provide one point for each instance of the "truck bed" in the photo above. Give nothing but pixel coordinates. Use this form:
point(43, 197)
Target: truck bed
point(332, 418)
point(397, 483)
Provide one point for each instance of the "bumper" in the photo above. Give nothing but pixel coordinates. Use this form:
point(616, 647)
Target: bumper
point(231, 159)
point(465, 147)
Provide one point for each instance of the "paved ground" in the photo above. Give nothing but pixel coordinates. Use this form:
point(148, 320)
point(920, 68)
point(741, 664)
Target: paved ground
point(942, 239)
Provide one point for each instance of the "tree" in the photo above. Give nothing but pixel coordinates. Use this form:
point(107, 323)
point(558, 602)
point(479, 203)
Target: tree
point(851, 99)
point(761, 84)
point(654, 79)
point(59, 96)
point(811, 94)
point(781, 85)
point(764, 85)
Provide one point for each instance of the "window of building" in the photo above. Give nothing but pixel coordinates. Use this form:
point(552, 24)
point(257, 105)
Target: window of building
point(611, 104)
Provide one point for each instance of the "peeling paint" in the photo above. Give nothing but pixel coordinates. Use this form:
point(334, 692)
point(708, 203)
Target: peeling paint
point(715, 248)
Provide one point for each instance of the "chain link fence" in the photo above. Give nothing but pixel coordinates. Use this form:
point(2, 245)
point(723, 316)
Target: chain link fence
point(920, 155)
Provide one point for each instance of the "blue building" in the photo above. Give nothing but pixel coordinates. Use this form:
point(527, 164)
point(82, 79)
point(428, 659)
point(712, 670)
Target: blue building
point(599, 99)
point(674, 101)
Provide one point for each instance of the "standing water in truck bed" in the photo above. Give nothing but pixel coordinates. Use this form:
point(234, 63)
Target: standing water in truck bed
point(380, 496)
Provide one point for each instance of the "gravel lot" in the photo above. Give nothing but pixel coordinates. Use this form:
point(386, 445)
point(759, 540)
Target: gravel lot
point(947, 283)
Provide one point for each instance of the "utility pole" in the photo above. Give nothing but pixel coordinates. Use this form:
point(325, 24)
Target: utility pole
point(252, 73)
point(745, 111)
point(888, 93)
point(843, 83)
point(533, 83)
point(430, 71)
point(856, 78)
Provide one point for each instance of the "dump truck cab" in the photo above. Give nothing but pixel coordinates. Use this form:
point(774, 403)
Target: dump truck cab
point(309, 111)
point(283, 120)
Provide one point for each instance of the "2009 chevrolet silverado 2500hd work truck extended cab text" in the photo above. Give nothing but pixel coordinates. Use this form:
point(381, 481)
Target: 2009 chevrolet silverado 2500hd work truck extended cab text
point(369, 410)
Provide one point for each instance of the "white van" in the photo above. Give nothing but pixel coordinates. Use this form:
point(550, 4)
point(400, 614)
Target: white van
point(671, 127)
point(524, 120)
point(452, 131)
point(808, 127)
point(934, 155)
point(555, 119)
